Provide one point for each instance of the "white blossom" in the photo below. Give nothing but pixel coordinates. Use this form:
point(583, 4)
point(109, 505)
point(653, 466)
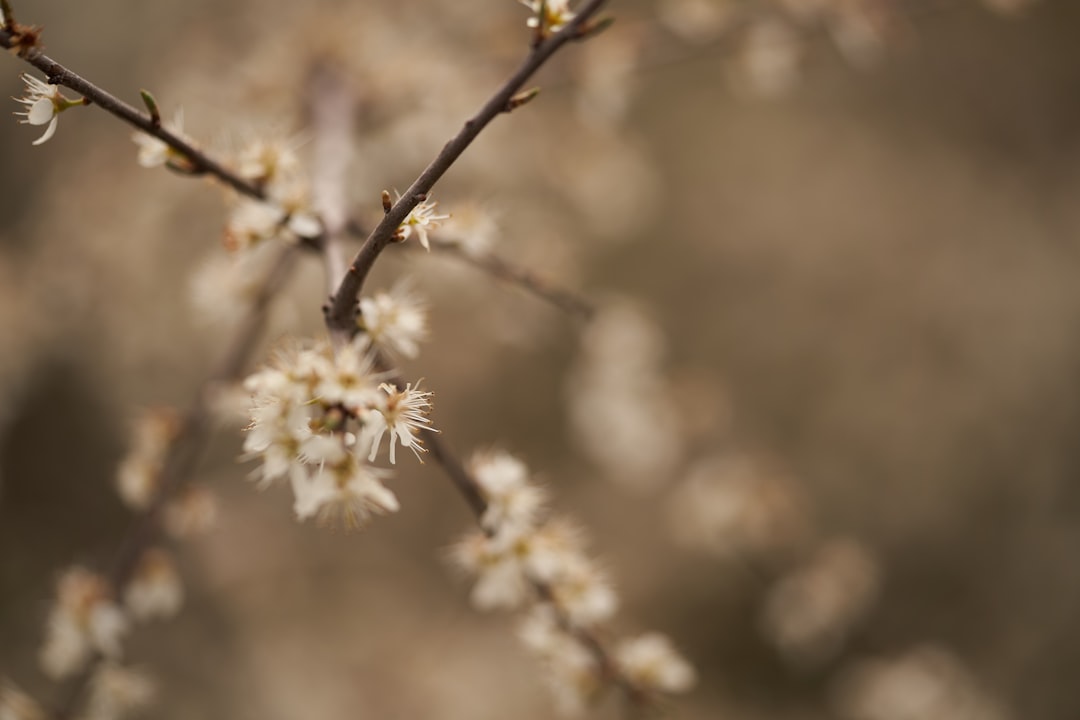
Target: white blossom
point(500, 583)
point(138, 475)
point(395, 320)
point(342, 488)
point(251, 222)
point(83, 620)
point(652, 663)
point(420, 220)
point(155, 590)
point(511, 498)
point(116, 691)
point(350, 380)
point(556, 13)
point(403, 413)
point(191, 512)
point(571, 670)
point(154, 152)
point(44, 103)
point(810, 611)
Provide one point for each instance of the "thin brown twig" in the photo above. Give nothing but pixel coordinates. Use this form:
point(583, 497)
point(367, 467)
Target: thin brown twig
point(199, 161)
point(341, 311)
point(184, 453)
point(520, 277)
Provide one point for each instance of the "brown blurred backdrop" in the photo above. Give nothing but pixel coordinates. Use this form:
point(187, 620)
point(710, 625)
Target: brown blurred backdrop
point(870, 281)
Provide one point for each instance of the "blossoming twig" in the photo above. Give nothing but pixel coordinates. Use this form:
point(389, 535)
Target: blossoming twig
point(200, 162)
point(341, 312)
point(183, 454)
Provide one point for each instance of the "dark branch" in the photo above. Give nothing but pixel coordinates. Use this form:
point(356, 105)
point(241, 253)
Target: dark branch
point(183, 456)
point(200, 163)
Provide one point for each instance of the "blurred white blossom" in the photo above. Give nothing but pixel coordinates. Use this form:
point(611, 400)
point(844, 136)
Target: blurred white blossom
point(191, 511)
point(809, 613)
point(155, 589)
point(17, 705)
point(620, 406)
point(926, 683)
point(84, 620)
point(396, 320)
point(117, 691)
point(652, 663)
point(154, 152)
point(139, 472)
point(735, 504)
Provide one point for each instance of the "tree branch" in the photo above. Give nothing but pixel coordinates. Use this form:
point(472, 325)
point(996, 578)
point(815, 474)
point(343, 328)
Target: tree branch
point(201, 163)
point(341, 312)
point(182, 458)
point(519, 277)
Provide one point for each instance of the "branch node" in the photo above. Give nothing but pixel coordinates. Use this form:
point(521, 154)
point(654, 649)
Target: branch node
point(152, 107)
point(387, 204)
point(521, 98)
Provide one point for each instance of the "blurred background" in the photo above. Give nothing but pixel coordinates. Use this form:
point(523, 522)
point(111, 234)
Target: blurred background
point(822, 429)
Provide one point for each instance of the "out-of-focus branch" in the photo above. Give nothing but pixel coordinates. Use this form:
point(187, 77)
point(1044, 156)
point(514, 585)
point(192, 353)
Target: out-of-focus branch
point(517, 276)
point(183, 456)
point(331, 112)
point(341, 312)
point(200, 163)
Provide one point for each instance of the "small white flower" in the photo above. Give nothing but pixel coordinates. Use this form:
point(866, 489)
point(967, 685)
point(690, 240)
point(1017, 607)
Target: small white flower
point(192, 512)
point(403, 413)
point(44, 103)
point(500, 583)
point(351, 380)
point(84, 619)
point(154, 152)
point(572, 672)
point(155, 590)
point(584, 594)
point(277, 430)
point(420, 220)
point(511, 498)
point(252, 222)
point(268, 161)
point(652, 663)
point(304, 224)
point(395, 320)
point(342, 488)
point(115, 691)
point(556, 14)
point(138, 473)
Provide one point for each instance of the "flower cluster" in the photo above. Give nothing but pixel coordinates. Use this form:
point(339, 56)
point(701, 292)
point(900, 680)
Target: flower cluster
point(520, 558)
point(318, 421)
